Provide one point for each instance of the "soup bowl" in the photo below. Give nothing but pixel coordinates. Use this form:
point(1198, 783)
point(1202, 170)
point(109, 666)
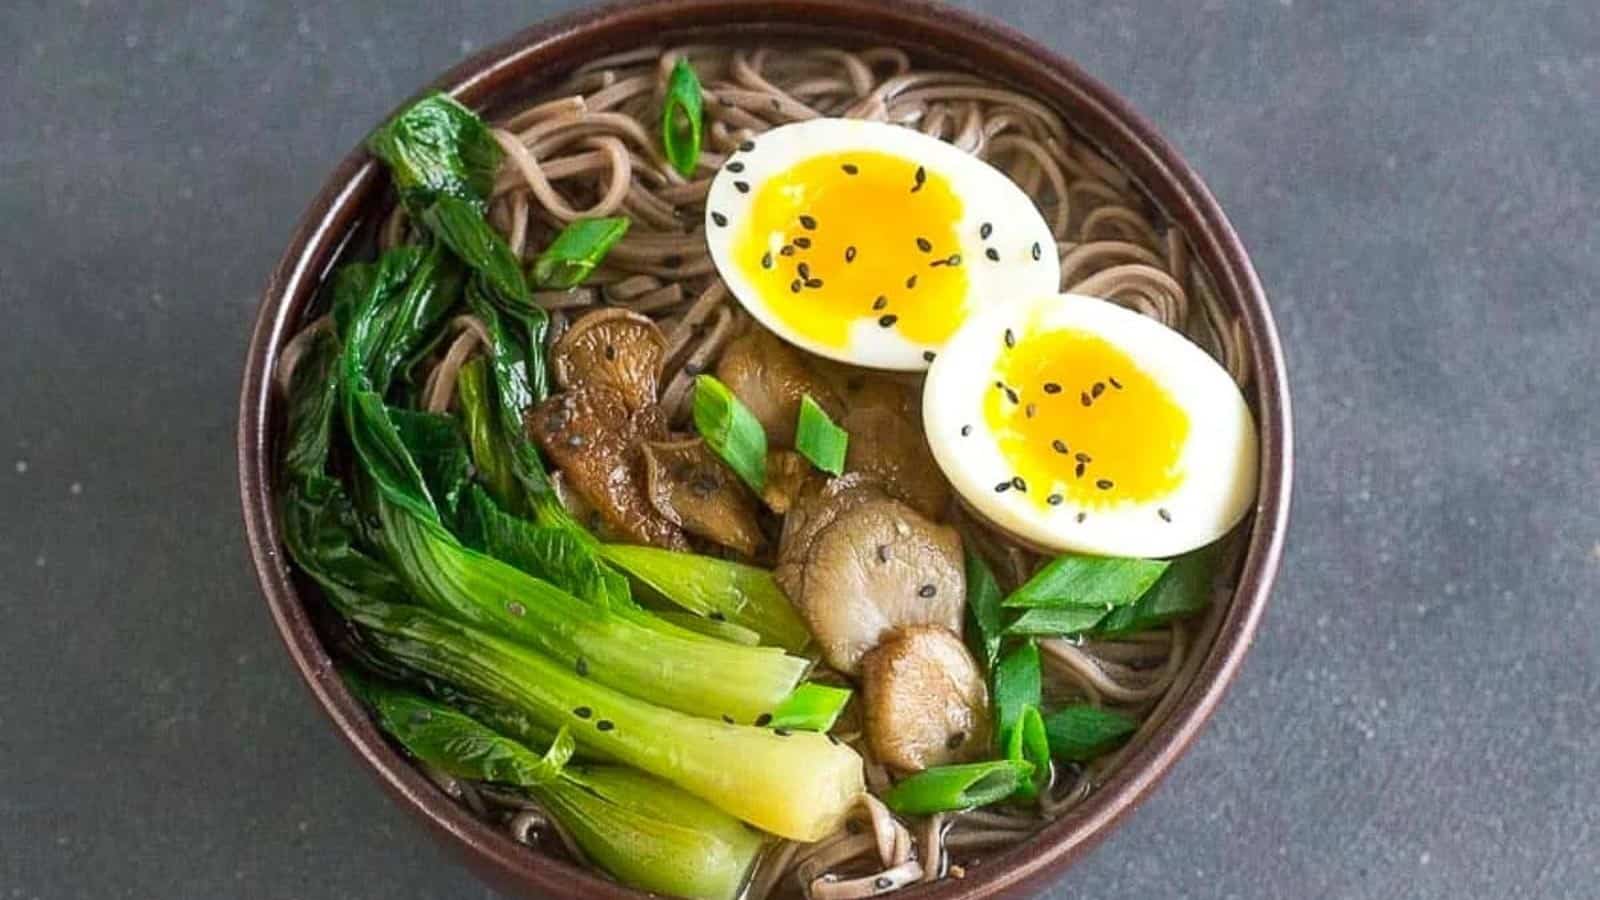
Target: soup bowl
point(356, 194)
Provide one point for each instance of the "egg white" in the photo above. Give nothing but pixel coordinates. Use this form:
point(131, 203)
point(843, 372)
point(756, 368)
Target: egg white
point(986, 194)
point(1218, 458)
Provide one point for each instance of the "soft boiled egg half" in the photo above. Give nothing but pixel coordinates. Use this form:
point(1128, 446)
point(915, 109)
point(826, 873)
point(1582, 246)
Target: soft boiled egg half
point(871, 243)
point(1077, 425)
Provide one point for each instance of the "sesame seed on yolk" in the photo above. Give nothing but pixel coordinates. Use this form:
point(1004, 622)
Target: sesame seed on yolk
point(862, 234)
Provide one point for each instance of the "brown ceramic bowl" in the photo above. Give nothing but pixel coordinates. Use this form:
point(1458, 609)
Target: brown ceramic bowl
point(356, 192)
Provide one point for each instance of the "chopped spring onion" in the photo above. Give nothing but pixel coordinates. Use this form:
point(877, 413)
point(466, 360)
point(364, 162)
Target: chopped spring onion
point(681, 118)
point(983, 610)
point(812, 707)
point(1183, 590)
point(732, 430)
point(818, 439)
point(1029, 745)
point(575, 252)
point(952, 788)
point(1091, 581)
point(1081, 732)
point(1018, 685)
point(1056, 622)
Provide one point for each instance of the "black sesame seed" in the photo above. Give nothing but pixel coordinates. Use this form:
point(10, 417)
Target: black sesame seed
point(888, 320)
point(850, 254)
point(937, 263)
point(610, 352)
point(777, 103)
point(804, 243)
point(993, 254)
point(1078, 471)
point(1011, 338)
point(1115, 383)
point(742, 187)
point(1082, 516)
point(581, 666)
point(1050, 387)
point(782, 732)
point(1058, 445)
point(736, 167)
point(694, 368)
point(516, 609)
point(583, 712)
point(727, 718)
point(1029, 410)
point(766, 260)
point(882, 883)
point(1002, 487)
point(1098, 389)
point(604, 725)
point(1053, 499)
point(920, 177)
point(1011, 395)
point(928, 356)
point(881, 302)
point(1083, 458)
point(747, 146)
point(955, 740)
point(1037, 252)
point(786, 250)
point(927, 591)
point(985, 230)
point(883, 553)
point(716, 615)
point(953, 260)
point(1019, 484)
point(1000, 384)
point(796, 285)
point(813, 283)
point(852, 826)
point(1084, 397)
point(1104, 484)
point(719, 219)
point(850, 168)
point(804, 270)
point(925, 245)
point(763, 720)
point(1165, 516)
point(966, 430)
point(808, 223)
point(911, 282)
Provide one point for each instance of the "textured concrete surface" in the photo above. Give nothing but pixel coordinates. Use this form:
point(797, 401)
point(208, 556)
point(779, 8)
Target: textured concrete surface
point(1418, 182)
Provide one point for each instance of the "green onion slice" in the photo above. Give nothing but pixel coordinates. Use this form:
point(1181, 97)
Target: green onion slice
point(1018, 685)
point(1056, 622)
point(1081, 732)
point(1029, 745)
point(818, 439)
point(575, 252)
point(812, 707)
point(731, 429)
point(983, 609)
point(1090, 581)
point(950, 788)
point(681, 118)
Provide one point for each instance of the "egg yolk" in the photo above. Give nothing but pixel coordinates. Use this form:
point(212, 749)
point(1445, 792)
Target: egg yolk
point(843, 237)
point(1078, 420)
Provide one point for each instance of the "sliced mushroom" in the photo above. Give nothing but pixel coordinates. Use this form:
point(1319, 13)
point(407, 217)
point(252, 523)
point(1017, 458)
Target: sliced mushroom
point(926, 704)
point(689, 485)
point(592, 435)
point(770, 377)
point(859, 564)
point(787, 474)
point(857, 388)
point(579, 508)
point(889, 445)
point(616, 348)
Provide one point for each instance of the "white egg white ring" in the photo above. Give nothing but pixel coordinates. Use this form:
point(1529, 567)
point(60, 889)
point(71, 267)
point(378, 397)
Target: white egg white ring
point(1218, 458)
point(987, 196)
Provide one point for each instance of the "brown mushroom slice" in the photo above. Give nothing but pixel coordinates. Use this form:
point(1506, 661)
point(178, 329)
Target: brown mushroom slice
point(788, 473)
point(689, 485)
point(770, 377)
point(890, 446)
point(926, 703)
point(616, 348)
point(858, 388)
point(859, 564)
point(594, 438)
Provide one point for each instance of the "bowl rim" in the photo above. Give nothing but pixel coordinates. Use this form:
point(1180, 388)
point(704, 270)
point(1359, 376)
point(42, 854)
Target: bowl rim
point(317, 243)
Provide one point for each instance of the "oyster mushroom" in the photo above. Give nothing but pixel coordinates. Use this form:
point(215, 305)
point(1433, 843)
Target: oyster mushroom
point(926, 703)
point(891, 447)
point(859, 564)
point(691, 487)
point(594, 437)
point(788, 473)
point(770, 377)
point(616, 348)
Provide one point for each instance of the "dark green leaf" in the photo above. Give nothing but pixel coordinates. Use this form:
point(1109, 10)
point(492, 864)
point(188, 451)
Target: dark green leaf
point(436, 445)
point(983, 610)
point(460, 224)
point(1027, 742)
point(731, 430)
point(1055, 622)
point(553, 553)
point(491, 455)
point(818, 439)
point(1184, 589)
point(681, 118)
point(953, 788)
point(313, 396)
point(812, 707)
point(1018, 684)
point(576, 251)
point(1090, 581)
point(438, 148)
point(1082, 732)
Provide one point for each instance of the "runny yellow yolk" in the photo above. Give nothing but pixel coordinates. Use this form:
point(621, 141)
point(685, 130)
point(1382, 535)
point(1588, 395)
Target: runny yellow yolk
point(1081, 423)
point(843, 237)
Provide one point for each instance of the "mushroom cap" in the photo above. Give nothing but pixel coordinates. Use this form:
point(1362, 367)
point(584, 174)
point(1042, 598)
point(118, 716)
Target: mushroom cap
point(617, 348)
point(770, 377)
point(890, 445)
point(859, 564)
point(689, 485)
point(926, 703)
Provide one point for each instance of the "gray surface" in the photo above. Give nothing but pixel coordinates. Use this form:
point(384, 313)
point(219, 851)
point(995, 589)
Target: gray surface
point(1418, 182)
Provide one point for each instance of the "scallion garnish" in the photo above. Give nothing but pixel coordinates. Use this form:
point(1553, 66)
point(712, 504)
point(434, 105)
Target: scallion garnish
point(731, 429)
point(1018, 685)
point(1088, 581)
point(681, 118)
point(1027, 744)
point(1081, 732)
point(575, 252)
point(950, 788)
point(1056, 622)
point(818, 439)
point(812, 707)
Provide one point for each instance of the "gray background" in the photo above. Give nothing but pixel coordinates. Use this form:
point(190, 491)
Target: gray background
point(1418, 183)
